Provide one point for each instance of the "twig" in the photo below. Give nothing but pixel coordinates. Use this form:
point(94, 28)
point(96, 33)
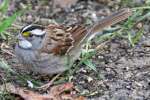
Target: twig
point(6, 51)
point(46, 86)
point(101, 46)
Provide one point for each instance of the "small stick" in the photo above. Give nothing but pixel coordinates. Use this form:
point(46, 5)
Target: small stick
point(46, 86)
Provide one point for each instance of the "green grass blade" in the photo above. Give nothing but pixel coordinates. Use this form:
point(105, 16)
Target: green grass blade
point(4, 6)
point(130, 22)
point(138, 36)
point(7, 22)
point(5, 66)
point(130, 39)
point(90, 64)
point(144, 17)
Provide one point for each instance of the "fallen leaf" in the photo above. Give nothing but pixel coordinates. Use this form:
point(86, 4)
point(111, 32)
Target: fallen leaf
point(57, 90)
point(55, 93)
point(61, 88)
point(25, 94)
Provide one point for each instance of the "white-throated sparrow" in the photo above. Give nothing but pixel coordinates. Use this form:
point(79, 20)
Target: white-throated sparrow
point(45, 49)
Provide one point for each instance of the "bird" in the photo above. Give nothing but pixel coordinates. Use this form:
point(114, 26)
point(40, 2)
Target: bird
point(47, 49)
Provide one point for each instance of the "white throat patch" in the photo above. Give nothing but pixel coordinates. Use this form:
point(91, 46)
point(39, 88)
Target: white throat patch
point(25, 44)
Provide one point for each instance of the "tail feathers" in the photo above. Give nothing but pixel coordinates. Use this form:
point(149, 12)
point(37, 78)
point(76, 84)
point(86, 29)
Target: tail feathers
point(80, 33)
point(112, 19)
point(108, 21)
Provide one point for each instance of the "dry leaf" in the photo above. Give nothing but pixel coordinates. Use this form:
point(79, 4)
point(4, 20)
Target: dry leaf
point(25, 94)
point(56, 92)
point(61, 88)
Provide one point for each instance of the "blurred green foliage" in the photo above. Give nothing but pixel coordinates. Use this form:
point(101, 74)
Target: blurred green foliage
point(6, 21)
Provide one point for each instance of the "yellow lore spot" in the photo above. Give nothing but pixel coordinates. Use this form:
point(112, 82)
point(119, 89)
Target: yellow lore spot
point(26, 34)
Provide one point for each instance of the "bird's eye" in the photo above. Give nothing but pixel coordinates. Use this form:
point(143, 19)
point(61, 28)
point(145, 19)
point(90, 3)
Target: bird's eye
point(31, 35)
point(26, 34)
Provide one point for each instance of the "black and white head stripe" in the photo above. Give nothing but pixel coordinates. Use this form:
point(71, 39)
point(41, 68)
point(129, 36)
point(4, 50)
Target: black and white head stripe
point(35, 29)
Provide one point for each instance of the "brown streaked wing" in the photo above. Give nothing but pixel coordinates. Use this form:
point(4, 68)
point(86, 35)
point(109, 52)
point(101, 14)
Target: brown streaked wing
point(59, 40)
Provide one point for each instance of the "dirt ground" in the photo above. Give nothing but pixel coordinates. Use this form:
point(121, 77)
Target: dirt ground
point(123, 71)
